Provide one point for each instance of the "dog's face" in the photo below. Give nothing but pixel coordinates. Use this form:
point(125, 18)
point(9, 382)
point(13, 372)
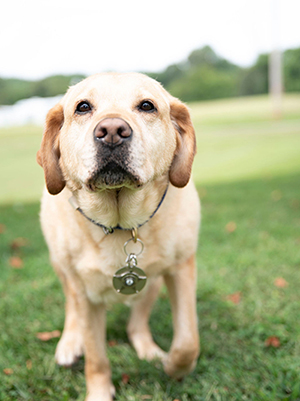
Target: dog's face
point(116, 130)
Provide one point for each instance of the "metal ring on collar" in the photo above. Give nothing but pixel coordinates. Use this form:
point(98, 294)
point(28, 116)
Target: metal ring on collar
point(137, 240)
point(134, 234)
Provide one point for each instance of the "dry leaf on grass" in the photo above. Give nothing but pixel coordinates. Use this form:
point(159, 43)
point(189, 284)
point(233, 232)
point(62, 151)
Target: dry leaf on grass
point(125, 378)
point(18, 243)
point(2, 228)
point(235, 298)
point(146, 397)
point(112, 343)
point(29, 364)
point(230, 227)
point(272, 341)
point(48, 335)
point(8, 371)
point(16, 262)
point(280, 282)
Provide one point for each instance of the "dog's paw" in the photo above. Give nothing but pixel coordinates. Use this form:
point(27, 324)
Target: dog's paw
point(179, 363)
point(146, 348)
point(151, 353)
point(102, 394)
point(69, 348)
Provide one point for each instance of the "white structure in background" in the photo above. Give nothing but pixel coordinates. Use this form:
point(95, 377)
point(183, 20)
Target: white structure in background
point(275, 62)
point(27, 111)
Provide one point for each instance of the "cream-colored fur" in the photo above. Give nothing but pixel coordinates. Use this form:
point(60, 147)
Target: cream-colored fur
point(161, 150)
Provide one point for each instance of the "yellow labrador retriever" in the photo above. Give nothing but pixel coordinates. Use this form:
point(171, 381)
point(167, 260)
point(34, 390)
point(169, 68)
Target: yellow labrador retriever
point(121, 213)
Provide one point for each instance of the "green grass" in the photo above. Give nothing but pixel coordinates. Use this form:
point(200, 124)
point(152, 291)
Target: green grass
point(247, 172)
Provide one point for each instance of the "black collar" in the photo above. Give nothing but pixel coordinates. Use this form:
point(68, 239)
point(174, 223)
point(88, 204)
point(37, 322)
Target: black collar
point(110, 230)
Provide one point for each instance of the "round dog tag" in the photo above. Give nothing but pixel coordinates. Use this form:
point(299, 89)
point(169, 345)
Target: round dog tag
point(129, 280)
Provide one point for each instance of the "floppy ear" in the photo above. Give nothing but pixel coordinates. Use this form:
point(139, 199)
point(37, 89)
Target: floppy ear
point(181, 166)
point(49, 153)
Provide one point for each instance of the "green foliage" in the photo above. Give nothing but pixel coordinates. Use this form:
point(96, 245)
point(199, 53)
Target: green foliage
point(254, 80)
point(206, 56)
point(292, 70)
point(204, 82)
point(171, 73)
point(12, 90)
point(204, 75)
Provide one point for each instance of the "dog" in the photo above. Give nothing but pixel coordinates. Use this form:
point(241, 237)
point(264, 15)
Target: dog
point(120, 215)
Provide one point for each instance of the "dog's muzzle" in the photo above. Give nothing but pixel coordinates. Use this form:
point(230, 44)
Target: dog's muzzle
point(112, 138)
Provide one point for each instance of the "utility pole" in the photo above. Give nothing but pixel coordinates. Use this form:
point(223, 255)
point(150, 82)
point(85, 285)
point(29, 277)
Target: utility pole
point(275, 63)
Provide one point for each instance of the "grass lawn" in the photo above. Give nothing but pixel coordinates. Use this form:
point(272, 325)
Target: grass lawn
point(248, 173)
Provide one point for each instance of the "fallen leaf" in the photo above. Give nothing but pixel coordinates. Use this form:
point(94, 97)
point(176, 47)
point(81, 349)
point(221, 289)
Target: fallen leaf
point(272, 341)
point(48, 335)
point(280, 282)
point(16, 262)
point(146, 397)
point(112, 343)
point(18, 243)
point(276, 195)
point(8, 371)
point(176, 399)
point(234, 298)
point(2, 228)
point(125, 378)
point(230, 227)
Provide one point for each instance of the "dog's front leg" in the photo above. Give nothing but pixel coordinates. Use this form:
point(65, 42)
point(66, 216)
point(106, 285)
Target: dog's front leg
point(97, 369)
point(184, 351)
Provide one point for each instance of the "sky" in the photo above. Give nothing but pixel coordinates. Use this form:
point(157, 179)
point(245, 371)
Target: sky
point(39, 38)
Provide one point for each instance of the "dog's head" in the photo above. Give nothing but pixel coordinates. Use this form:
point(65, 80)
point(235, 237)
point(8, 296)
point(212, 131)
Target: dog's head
point(114, 130)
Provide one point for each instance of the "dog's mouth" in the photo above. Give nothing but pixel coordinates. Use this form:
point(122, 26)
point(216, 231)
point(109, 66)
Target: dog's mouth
point(112, 175)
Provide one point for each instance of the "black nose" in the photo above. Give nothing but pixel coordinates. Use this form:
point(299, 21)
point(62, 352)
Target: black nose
point(112, 131)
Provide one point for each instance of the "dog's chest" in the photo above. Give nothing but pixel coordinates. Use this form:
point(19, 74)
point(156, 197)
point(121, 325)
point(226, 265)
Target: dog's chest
point(98, 264)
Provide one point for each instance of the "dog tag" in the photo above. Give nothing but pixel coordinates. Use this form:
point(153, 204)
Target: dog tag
point(129, 279)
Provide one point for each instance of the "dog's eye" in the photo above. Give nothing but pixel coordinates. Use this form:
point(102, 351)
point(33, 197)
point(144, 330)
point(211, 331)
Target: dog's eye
point(147, 106)
point(83, 107)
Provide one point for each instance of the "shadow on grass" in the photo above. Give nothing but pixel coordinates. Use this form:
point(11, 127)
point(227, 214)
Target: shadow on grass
point(235, 362)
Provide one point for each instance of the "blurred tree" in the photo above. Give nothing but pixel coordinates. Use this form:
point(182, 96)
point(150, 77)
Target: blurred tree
point(206, 56)
point(170, 74)
point(254, 80)
point(203, 75)
point(204, 83)
point(291, 70)
point(54, 85)
point(12, 90)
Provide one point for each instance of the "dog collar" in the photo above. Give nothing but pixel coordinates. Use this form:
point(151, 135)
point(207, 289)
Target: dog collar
point(110, 230)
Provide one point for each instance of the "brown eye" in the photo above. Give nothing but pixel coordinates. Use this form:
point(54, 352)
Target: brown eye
point(83, 107)
point(147, 106)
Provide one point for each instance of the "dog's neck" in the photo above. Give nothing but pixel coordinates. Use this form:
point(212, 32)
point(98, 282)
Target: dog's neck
point(125, 207)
